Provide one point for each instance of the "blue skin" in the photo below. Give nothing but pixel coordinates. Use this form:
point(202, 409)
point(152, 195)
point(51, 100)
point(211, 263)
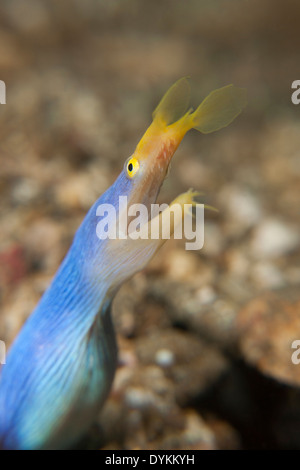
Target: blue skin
point(60, 368)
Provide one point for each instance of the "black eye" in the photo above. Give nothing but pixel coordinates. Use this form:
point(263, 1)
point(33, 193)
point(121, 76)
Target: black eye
point(132, 167)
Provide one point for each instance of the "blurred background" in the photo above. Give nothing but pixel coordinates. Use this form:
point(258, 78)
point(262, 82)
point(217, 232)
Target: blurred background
point(205, 337)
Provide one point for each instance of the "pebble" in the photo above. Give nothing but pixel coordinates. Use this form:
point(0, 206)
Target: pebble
point(139, 398)
point(214, 241)
point(164, 357)
point(273, 238)
point(25, 191)
point(242, 206)
point(182, 265)
point(267, 276)
point(206, 295)
point(268, 326)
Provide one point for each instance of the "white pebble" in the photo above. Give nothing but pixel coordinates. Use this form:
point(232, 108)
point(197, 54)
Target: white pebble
point(138, 398)
point(273, 238)
point(164, 358)
point(243, 206)
point(266, 275)
point(206, 295)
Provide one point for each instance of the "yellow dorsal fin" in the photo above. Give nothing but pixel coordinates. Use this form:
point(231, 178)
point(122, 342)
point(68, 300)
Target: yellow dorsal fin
point(174, 103)
point(219, 109)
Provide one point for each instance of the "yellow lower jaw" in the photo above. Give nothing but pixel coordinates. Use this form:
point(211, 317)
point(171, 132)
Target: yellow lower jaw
point(161, 223)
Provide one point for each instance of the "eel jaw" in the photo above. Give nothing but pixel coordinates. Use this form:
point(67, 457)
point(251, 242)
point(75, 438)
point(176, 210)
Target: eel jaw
point(136, 250)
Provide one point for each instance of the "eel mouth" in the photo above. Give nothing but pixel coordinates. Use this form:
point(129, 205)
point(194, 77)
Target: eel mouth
point(155, 169)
